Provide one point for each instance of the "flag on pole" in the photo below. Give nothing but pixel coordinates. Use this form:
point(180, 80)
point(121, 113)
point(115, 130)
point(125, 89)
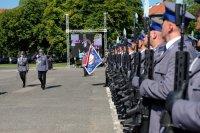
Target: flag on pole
point(84, 59)
point(92, 60)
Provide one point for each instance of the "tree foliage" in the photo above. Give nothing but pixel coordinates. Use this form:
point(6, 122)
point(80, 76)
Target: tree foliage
point(41, 23)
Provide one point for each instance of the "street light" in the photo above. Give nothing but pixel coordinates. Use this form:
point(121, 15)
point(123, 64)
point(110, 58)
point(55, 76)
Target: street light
point(67, 40)
point(105, 32)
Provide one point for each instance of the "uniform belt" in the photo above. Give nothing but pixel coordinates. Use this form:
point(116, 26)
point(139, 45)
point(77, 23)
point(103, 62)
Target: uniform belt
point(23, 65)
point(158, 103)
point(178, 130)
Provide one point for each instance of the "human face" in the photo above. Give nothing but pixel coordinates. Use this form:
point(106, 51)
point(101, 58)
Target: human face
point(22, 53)
point(145, 40)
point(198, 24)
point(152, 37)
point(133, 45)
point(140, 43)
point(165, 28)
point(41, 52)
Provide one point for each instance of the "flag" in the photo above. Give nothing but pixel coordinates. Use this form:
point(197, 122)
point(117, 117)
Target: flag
point(85, 59)
point(93, 60)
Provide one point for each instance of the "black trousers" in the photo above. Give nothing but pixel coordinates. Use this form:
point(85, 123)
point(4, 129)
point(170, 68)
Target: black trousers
point(23, 76)
point(85, 72)
point(42, 77)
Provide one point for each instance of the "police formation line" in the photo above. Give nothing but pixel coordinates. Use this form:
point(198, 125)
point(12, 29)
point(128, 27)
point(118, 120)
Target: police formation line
point(154, 79)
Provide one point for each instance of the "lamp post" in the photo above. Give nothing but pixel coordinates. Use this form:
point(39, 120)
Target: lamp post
point(105, 32)
point(67, 40)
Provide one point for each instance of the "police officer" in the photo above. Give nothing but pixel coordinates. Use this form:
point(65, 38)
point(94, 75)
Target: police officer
point(156, 40)
point(186, 113)
point(142, 46)
point(142, 43)
point(23, 67)
point(164, 70)
point(42, 67)
point(158, 44)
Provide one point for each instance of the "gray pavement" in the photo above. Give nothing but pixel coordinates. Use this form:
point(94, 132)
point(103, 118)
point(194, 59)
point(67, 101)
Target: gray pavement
point(70, 104)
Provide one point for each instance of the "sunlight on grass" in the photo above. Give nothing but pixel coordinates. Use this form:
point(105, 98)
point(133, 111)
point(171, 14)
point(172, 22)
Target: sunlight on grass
point(14, 66)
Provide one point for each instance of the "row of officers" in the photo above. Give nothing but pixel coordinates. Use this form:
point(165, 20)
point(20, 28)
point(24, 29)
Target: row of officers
point(42, 66)
point(165, 38)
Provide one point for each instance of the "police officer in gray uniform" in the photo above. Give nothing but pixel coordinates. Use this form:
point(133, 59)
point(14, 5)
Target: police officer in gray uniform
point(142, 46)
point(164, 69)
point(158, 44)
point(142, 43)
point(186, 113)
point(156, 40)
point(42, 67)
point(23, 67)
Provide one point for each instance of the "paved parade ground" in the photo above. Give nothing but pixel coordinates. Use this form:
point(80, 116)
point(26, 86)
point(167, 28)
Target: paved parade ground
point(71, 103)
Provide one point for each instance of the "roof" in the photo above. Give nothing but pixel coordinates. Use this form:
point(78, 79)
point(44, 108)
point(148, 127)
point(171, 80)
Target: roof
point(156, 10)
point(2, 10)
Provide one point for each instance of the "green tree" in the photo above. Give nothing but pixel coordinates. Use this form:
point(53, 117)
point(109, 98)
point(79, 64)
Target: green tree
point(41, 23)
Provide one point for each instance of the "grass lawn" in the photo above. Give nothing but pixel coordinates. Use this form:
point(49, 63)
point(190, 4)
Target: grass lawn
point(14, 66)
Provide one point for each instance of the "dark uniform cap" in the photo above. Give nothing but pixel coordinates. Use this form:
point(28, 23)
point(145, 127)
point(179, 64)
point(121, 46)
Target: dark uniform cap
point(129, 43)
point(155, 26)
point(170, 15)
point(141, 36)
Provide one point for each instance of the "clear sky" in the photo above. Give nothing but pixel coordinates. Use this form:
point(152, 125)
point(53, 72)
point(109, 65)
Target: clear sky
point(152, 2)
point(15, 3)
point(9, 3)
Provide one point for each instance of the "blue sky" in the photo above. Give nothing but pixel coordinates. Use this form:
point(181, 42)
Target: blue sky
point(9, 3)
point(14, 3)
point(152, 2)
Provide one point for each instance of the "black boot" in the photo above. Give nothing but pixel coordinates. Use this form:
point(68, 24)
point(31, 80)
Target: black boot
point(43, 87)
point(42, 84)
point(23, 85)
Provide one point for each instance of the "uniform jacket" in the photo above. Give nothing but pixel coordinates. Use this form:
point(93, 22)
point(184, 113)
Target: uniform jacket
point(157, 53)
point(155, 117)
point(22, 64)
point(42, 63)
point(163, 81)
point(164, 70)
point(186, 114)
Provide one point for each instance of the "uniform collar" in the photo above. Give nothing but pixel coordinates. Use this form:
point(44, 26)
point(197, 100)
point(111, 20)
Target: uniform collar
point(131, 52)
point(194, 67)
point(172, 41)
point(162, 46)
point(142, 50)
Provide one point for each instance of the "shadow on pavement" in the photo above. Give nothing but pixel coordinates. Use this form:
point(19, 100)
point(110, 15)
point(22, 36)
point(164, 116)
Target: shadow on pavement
point(33, 85)
point(53, 86)
point(98, 84)
point(1, 93)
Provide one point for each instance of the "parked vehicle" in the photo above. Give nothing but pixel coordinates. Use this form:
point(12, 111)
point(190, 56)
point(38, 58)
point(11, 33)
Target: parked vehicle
point(13, 60)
